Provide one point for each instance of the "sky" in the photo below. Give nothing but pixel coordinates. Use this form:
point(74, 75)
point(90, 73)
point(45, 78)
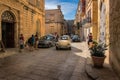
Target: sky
point(68, 7)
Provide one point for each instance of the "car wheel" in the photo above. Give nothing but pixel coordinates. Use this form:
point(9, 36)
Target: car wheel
point(57, 48)
point(38, 46)
point(51, 45)
point(48, 46)
point(69, 48)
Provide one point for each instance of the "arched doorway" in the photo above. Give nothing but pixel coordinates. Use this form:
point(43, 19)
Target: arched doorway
point(7, 26)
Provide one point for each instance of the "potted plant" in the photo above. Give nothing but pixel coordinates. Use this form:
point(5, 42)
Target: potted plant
point(98, 54)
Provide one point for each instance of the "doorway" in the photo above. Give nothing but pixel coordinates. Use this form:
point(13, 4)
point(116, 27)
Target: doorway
point(8, 34)
point(7, 28)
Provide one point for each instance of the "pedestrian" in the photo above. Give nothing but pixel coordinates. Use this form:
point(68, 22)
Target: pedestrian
point(21, 42)
point(36, 41)
point(90, 40)
point(56, 36)
point(31, 42)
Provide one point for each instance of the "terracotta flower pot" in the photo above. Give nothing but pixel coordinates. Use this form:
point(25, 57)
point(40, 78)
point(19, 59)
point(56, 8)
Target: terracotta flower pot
point(98, 61)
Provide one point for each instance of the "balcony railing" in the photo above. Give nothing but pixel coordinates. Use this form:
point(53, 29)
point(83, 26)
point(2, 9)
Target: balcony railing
point(87, 20)
point(79, 24)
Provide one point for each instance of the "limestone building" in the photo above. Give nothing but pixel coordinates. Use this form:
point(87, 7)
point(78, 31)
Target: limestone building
point(91, 18)
point(80, 17)
point(70, 27)
point(17, 17)
point(54, 21)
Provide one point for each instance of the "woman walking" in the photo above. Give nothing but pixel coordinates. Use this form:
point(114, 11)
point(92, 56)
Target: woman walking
point(21, 42)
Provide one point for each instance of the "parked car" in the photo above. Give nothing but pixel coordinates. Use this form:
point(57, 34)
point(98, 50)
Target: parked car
point(63, 42)
point(46, 41)
point(71, 36)
point(76, 38)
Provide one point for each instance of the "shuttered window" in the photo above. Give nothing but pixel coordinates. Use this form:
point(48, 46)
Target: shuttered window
point(38, 3)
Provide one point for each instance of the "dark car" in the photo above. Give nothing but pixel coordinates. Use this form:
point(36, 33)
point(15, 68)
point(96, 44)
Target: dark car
point(46, 41)
point(76, 38)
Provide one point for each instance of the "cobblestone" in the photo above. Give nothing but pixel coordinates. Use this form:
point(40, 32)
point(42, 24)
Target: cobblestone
point(49, 64)
point(105, 73)
point(45, 64)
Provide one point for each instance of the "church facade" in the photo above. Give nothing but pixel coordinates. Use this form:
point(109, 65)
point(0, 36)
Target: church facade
point(17, 17)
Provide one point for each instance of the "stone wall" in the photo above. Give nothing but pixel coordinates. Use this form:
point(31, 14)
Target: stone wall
point(95, 19)
point(112, 31)
point(115, 34)
point(54, 21)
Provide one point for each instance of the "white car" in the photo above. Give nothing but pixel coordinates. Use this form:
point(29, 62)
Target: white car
point(64, 42)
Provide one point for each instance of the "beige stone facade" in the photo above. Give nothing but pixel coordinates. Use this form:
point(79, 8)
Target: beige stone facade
point(87, 15)
point(54, 21)
point(102, 17)
point(92, 16)
point(109, 25)
point(114, 31)
point(78, 19)
point(21, 17)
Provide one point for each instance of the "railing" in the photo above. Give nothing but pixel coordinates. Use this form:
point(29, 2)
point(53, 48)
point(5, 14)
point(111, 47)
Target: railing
point(87, 20)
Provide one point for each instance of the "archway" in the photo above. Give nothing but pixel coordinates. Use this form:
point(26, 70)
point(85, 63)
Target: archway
point(7, 26)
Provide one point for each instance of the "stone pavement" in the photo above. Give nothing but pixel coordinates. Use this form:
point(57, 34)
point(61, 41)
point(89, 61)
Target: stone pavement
point(105, 73)
point(49, 64)
point(9, 52)
point(45, 64)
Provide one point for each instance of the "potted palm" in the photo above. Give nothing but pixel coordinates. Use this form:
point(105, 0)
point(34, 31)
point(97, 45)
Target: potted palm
point(98, 54)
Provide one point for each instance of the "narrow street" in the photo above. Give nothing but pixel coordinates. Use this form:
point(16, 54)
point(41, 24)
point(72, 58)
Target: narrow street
point(47, 64)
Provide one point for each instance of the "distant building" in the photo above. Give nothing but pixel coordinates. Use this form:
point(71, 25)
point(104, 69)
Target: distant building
point(65, 31)
point(17, 17)
point(80, 13)
point(70, 27)
point(54, 21)
point(87, 18)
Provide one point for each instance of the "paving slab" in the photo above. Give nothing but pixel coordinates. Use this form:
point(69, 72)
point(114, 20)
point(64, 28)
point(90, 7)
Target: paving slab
point(105, 73)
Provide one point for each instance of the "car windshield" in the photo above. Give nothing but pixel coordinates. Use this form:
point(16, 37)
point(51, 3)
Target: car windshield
point(75, 36)
point(64, 38)
point(47, 38)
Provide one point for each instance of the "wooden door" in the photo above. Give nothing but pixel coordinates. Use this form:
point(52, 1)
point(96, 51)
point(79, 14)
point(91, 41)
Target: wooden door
point(8, 34)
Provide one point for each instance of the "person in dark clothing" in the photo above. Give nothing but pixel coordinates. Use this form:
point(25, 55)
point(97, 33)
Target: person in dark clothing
point(90, 38)
point(36, 41)
point(31, 42)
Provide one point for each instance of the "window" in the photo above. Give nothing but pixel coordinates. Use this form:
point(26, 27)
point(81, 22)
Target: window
point(52, 17)
point(7, 16)
point(89, 16)
point(38, 3)
point(32, 17)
